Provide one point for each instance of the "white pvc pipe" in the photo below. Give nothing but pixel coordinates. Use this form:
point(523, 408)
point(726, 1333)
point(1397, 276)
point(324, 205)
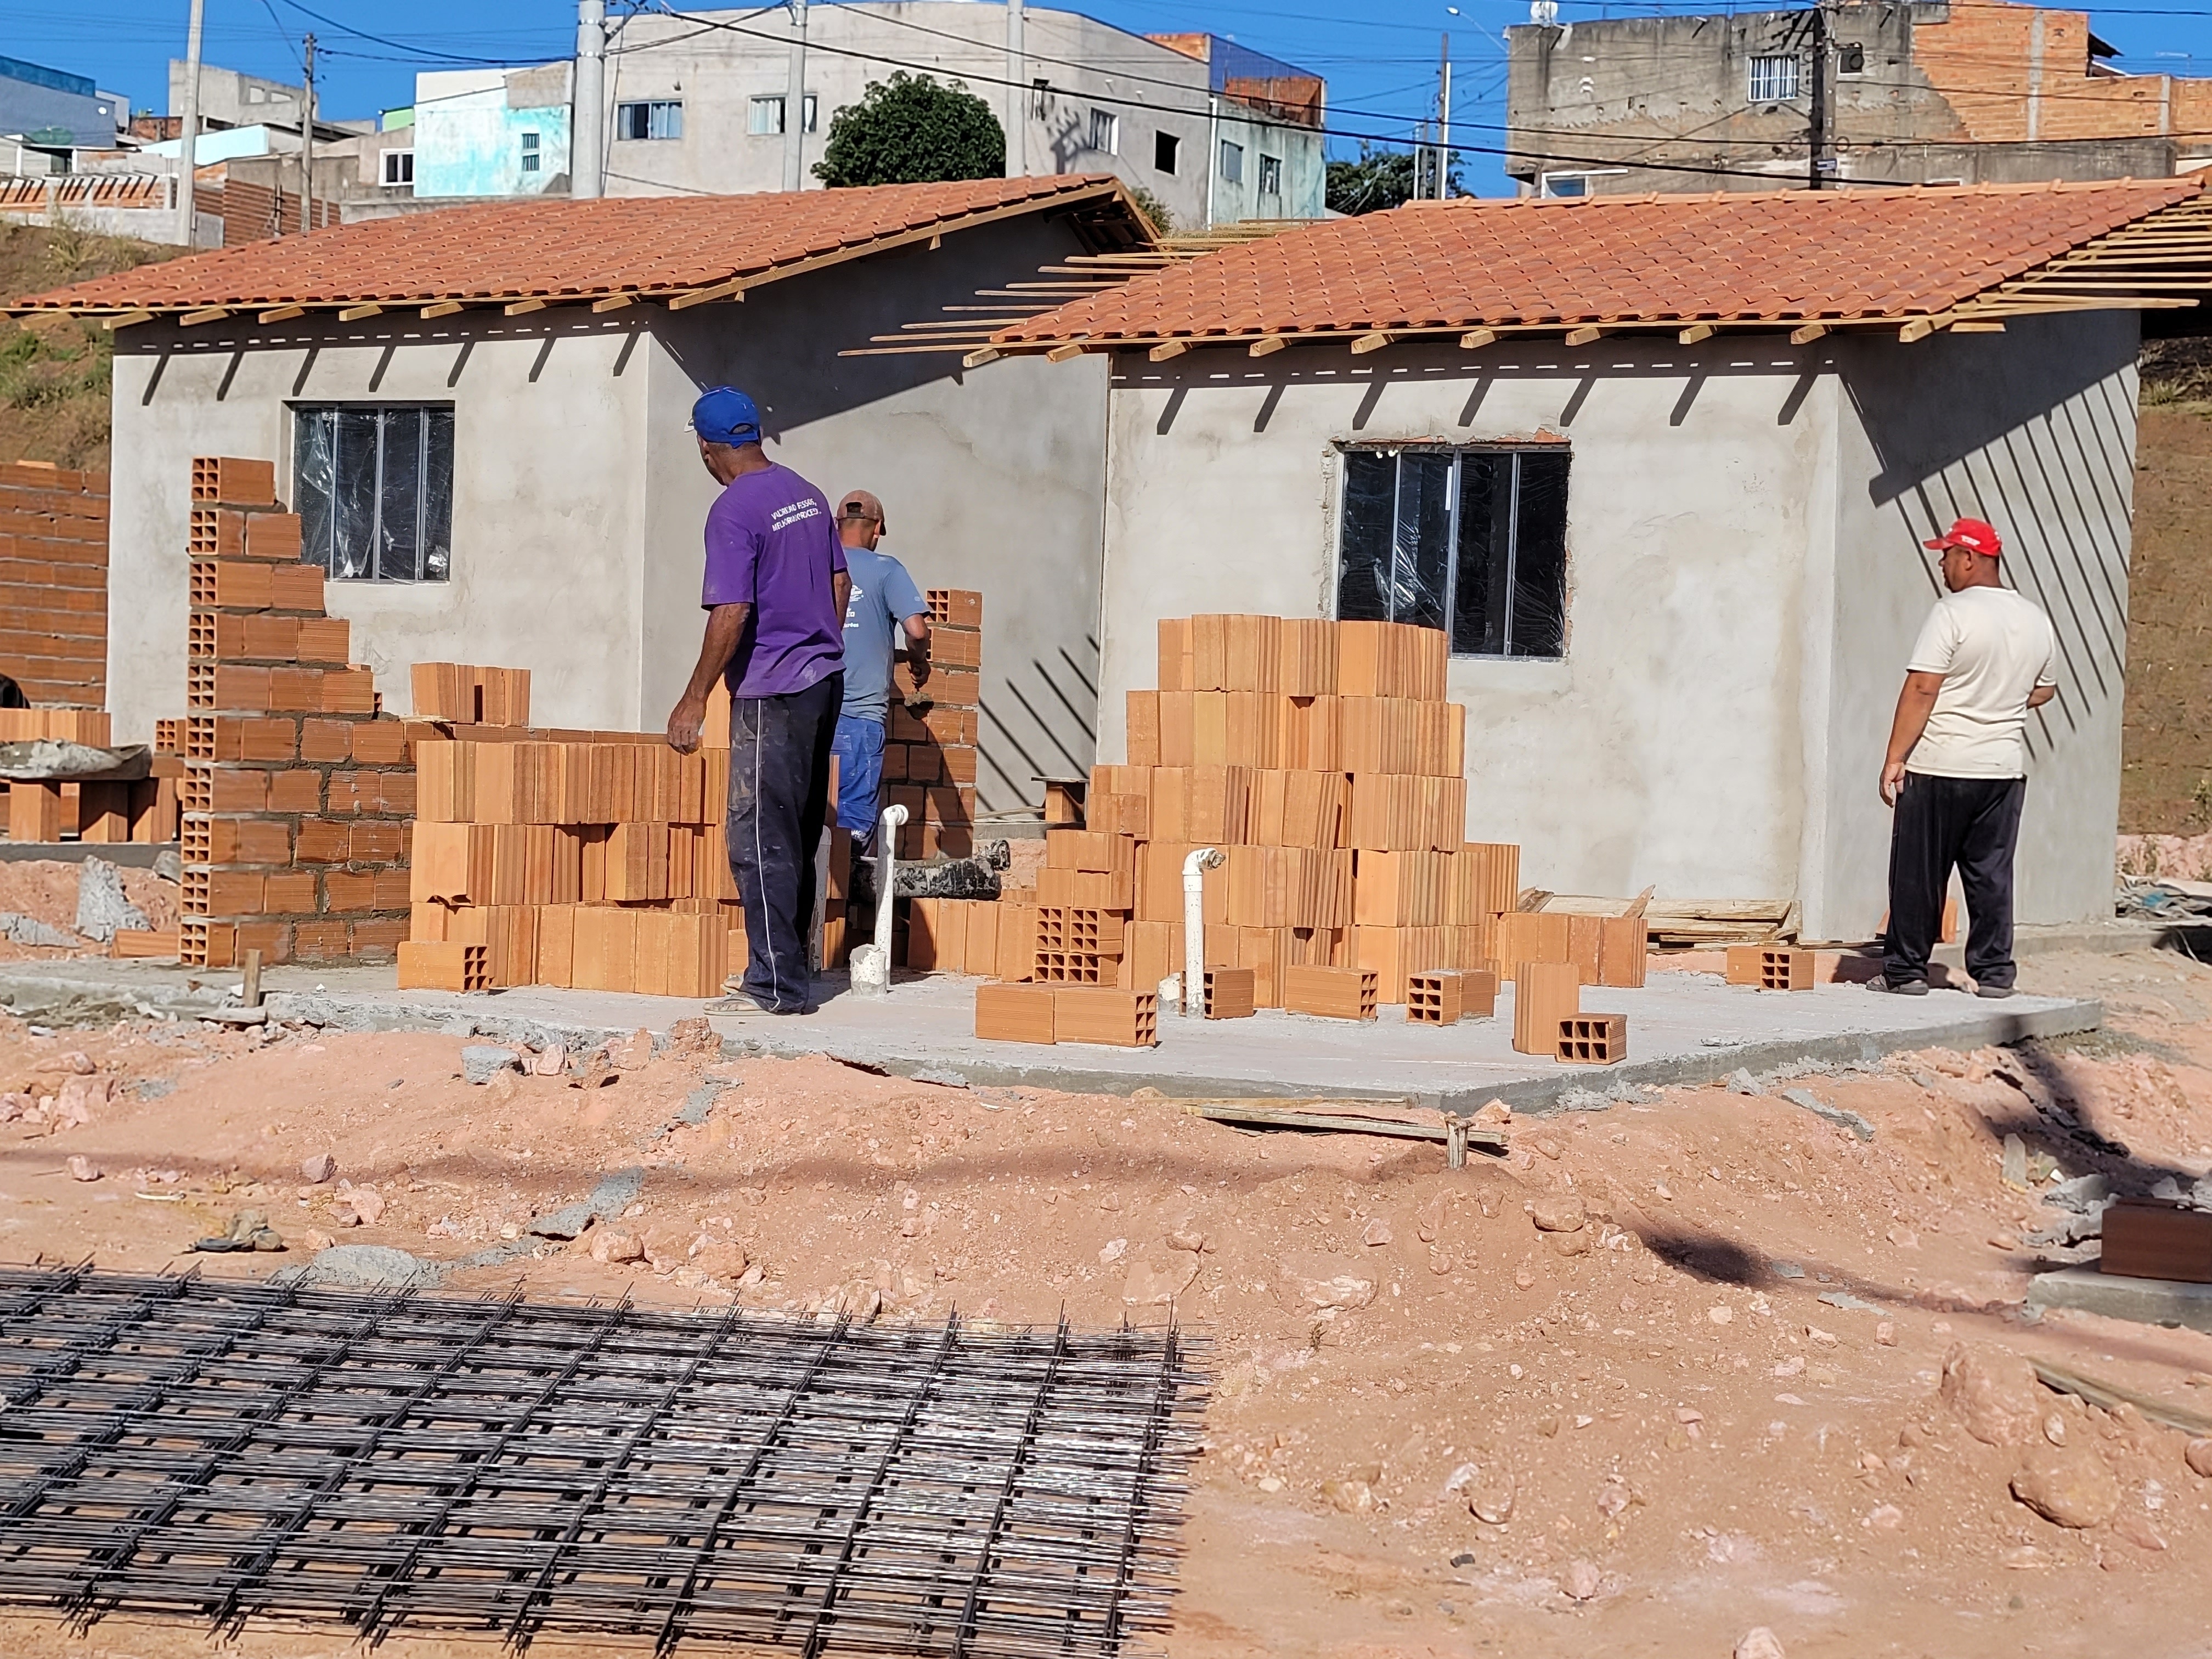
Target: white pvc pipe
point(1193, 926)
point(872, 963)
point(886, 870)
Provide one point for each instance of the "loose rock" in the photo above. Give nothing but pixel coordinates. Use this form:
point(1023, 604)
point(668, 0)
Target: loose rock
point(1557, 1212)
point(83, 1169)
point(482, 1062)
point(2198, 1456)
point(617, 1247)
point(367, 1203)
point(1321, 1282)
point(1995, 1393)
point(101, 904)
point(2069, 1487)
point(1759, 1643)
point(1377, 1232)
point(318, 1169)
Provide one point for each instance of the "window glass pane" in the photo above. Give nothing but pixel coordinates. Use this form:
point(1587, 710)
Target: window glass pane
point(399, 540)
point(1486, 483)
point(314, 432)
point(1424, 540)
point(353, 535)
point(1540, 560)
point(1363, 592)
point(438, 495)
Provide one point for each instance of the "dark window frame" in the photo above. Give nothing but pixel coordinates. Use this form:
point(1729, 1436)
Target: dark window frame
point(645, 114)
point(1167, 153)
point(368, 529)
point(1469, 537)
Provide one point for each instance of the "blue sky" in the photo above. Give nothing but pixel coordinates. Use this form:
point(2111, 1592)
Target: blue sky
point(1379, 58)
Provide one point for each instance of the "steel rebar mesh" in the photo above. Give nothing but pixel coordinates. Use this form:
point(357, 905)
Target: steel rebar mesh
point(226, 1450)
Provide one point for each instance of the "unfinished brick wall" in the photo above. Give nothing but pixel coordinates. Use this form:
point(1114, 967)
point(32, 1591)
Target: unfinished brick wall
point(54, 583)
point(298, 795)
point(2007, 86)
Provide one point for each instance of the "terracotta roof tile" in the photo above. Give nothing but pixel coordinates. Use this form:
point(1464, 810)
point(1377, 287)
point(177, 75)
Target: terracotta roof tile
point(1787, 256)
point(558, 248)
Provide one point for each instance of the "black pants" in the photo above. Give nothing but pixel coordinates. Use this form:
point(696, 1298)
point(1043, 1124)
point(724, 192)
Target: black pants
point(779, 797)
point(1973, 824)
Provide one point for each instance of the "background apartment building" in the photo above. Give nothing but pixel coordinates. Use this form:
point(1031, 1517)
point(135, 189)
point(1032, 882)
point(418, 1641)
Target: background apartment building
point(1914, 94)
point(696, 102)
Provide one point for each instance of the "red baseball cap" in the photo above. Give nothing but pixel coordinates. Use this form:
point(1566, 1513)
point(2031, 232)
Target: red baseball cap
point(1975, 535)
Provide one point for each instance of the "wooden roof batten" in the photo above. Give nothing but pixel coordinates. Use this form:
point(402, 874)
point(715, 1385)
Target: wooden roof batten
point(2160, 261)
point(600, 297)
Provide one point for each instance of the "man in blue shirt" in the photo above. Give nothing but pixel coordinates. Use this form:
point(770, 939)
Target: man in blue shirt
point(885, 612)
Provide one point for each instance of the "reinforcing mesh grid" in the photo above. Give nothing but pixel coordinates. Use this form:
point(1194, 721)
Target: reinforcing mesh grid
point(229, 1450)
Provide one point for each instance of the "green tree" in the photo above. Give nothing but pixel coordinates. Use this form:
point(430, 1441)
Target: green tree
point(1383, 179)
point(911, 130)
point(1378, 181)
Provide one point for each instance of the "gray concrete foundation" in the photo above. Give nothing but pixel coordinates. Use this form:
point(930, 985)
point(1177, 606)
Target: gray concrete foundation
point(2146, 1301)
point(1683, 1029)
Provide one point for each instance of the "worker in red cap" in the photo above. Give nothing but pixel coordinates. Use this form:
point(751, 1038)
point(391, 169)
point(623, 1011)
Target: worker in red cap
point(1956, 773)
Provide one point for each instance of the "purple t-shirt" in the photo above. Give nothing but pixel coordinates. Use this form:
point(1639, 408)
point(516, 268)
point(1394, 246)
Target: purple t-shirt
point(771, 544)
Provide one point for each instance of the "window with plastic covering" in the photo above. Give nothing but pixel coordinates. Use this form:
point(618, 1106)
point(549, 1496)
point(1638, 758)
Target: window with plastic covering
point(373, 484)
point(1471, 541)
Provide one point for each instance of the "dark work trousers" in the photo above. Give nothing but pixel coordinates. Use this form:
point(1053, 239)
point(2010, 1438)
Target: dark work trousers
point(1974, 824)
point(779, 797)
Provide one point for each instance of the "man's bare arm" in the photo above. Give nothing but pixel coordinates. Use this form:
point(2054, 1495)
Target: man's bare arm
point(841, 591)
point(916, 629)
point(725, 626)
point(1916, 701)
point(2041, 694)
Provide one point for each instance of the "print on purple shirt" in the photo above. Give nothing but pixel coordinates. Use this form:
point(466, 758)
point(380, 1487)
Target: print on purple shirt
point(771, 544)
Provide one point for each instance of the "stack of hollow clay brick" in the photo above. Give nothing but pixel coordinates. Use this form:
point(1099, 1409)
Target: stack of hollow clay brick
point(296, 792)
point(592, 860)
point(143, 810)
point(1324, 762)
point(929, 740)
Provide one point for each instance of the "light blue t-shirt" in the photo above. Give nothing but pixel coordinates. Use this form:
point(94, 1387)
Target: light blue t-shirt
point(883, 597)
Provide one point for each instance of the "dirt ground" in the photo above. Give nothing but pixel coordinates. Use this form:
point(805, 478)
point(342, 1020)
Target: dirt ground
point(1437, 1426)
point(45, 889)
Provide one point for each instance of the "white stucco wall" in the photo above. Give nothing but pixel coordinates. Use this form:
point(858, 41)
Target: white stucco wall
point(579, 496)
point(1731, 660)
point(548, 488)
point(2035, 431)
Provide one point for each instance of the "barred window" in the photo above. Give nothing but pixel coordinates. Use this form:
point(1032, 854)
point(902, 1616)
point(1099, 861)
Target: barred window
point(1773, 80)
point(374, 485)
point(1471, 540)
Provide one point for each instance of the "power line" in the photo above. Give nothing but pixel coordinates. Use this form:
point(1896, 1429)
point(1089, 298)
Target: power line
point(1324, 128)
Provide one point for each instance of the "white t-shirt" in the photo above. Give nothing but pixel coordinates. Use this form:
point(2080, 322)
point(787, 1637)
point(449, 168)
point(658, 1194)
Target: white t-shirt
point(1992, 647)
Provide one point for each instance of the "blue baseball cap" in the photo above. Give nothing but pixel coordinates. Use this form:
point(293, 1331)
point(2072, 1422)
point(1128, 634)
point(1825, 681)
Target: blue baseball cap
point(724, 415)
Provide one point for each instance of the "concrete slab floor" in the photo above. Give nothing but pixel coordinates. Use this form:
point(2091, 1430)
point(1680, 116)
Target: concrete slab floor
point(1683, 1028)
point(2144, 1301)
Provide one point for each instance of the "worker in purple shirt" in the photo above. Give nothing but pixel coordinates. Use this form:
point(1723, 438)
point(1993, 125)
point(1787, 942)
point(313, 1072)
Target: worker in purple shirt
point(775, 596)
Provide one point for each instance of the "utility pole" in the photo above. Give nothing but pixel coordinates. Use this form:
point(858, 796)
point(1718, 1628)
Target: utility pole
point(1819, 163)
point(307, 145)
point(189, 141)
point(794, 103)
point(1443, 126)
point(587, 115)
point(1018, 95)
